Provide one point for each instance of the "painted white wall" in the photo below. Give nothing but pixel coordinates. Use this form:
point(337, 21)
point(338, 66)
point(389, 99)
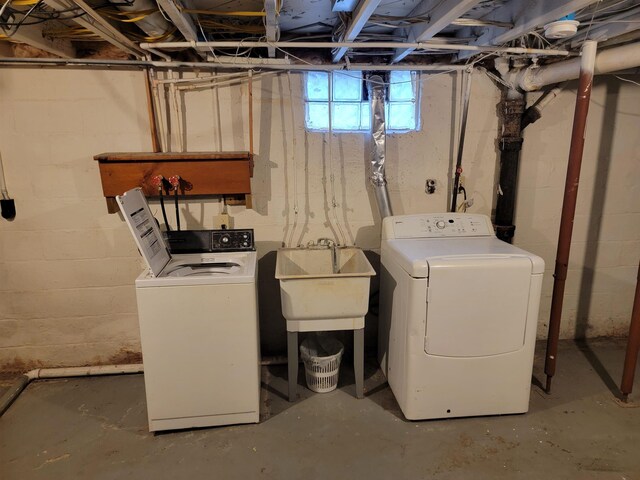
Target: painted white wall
point(67, 267)
point(605, 246)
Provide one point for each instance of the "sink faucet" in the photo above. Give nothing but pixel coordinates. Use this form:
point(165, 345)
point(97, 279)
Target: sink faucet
point(329, 243)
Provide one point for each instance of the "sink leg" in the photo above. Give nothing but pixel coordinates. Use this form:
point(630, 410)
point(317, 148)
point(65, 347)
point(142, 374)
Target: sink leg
point(358, 361)
point(292, 352)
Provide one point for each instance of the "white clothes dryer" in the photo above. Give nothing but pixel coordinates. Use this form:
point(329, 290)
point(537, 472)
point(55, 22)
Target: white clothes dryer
point(458, 316)
point(198, 327)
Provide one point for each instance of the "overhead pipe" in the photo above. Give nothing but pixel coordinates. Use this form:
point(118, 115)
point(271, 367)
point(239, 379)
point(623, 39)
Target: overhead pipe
point(587, 67)
point(150, 20)
point(633, 346)
point(164, 65)
point(607, 61)
point(330, 45)
point(377, 92)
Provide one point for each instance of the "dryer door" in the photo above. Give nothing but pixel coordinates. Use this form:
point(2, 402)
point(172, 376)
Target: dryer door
point(477, 306)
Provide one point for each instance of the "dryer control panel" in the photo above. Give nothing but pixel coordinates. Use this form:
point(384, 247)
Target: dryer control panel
point(435, 225)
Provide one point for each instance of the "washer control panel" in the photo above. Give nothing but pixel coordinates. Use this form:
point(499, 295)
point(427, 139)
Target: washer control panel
point(210, 241)
point(432, 225)
point(232, 240)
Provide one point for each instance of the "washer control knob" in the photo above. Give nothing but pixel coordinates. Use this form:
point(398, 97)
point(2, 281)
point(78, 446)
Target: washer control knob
point(225, 239)
point(440, 224)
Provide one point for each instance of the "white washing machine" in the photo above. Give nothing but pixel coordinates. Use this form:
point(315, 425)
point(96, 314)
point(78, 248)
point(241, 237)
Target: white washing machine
point(198, 328)
point(458, 316)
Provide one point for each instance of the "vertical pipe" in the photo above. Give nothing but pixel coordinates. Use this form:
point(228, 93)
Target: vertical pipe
point(633, 346)
point(512, 106)
point(250, 87)
point(583, 96)
point(463, 129)
point(153, 125)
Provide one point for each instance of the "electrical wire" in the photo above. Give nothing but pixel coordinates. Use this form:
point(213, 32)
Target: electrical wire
point(627, 80)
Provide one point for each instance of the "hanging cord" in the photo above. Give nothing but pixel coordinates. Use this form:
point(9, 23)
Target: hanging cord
point(175, 196)
point(334, 204)
point(164, 212)
point(294, 162)
point(463, 128)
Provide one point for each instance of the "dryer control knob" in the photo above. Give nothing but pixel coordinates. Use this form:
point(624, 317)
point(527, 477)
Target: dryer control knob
point(440, 224)
point(225, 239)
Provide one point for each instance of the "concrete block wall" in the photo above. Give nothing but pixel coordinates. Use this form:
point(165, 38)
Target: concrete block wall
point(605, 248)
point(67, 267)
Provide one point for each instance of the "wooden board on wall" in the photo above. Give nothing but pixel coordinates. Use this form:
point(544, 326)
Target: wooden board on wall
point(201, 173)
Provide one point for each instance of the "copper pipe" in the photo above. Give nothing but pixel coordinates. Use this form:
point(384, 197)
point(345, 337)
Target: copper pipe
point(569, 204)
point(633, 346)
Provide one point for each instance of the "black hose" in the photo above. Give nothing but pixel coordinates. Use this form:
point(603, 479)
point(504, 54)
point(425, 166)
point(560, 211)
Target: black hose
point(164, 212)
point(175, 196)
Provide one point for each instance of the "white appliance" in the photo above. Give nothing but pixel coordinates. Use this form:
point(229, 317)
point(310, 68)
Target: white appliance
point(458, 316)
point(198, 328)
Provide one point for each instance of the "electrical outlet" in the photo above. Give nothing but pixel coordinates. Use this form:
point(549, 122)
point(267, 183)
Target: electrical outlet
point(222, 219)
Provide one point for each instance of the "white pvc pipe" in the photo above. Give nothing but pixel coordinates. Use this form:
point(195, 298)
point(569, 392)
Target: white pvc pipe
point(330, 45)
point(21, 383)
point(84, 371)
point(607, 61)
point(228, 66)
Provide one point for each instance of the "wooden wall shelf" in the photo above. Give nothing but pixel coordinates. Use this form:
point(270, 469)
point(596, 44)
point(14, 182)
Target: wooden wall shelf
point(202, 173)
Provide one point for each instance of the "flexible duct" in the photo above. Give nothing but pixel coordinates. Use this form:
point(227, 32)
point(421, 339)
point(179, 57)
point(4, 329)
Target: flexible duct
point(376, 87)
point(607, 61)
point(153, 24)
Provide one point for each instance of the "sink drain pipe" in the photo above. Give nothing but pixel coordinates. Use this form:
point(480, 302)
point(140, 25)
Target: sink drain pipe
point(576, 149)
point(377, 89)
point(19, 385)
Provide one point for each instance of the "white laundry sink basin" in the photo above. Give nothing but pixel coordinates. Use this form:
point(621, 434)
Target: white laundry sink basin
point(324, 288)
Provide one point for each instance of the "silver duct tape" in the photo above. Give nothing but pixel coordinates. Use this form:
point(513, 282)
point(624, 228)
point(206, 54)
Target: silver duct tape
point(378, 131)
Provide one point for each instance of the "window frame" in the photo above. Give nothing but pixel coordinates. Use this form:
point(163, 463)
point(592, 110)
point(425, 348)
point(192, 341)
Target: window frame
point(416, 103)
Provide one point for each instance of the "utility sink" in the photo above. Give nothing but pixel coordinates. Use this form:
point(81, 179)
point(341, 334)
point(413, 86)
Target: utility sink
point(324, 288)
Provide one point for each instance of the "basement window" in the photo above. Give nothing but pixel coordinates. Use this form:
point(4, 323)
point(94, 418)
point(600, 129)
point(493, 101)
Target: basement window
point(351, 111)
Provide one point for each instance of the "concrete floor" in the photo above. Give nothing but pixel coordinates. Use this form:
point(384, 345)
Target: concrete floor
point(97, 428)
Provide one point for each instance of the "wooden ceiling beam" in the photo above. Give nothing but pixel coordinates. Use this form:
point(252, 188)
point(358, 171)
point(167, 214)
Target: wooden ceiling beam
point(361, 15)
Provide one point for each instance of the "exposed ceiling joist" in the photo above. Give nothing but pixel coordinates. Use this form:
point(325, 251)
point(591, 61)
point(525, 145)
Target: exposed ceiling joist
point(108, 29)
point(440, 16)
point(122, 42)
point(270, 9)
point(527, 15)
point(618, 25)
point(33, 35)
point(361, 15)
point(182, 21)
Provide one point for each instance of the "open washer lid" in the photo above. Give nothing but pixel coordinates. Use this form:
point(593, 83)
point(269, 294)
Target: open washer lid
point(144, 229)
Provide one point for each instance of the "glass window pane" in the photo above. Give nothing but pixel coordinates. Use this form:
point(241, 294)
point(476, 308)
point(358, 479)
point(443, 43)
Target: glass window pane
point(346, 116)
point(365, 116)
point(318, 115)
point(317, 86)
point(402, 86)
point(402, 116)
point(347, 86)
